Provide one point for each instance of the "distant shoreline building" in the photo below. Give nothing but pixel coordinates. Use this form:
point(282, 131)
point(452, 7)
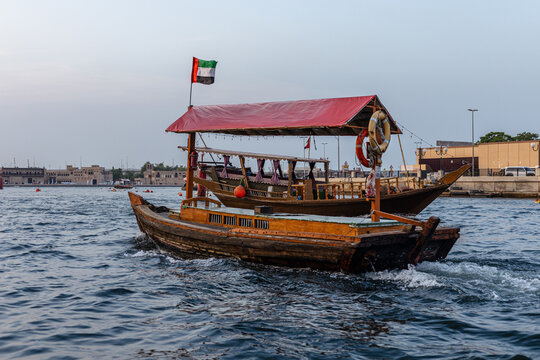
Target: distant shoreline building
point(161, 177)
point(23, 176)
point(489, 158)
point(91, 175)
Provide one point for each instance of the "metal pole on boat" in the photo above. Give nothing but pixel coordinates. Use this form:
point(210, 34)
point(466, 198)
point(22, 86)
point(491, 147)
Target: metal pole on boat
point(472, 141)
point(190, 90)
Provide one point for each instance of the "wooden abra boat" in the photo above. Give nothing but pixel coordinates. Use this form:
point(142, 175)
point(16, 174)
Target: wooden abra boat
point(308, 196)
point(202, 227)
point(120, 186)
point(291, 241)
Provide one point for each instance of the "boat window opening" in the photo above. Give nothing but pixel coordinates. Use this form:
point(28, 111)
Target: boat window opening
point(261, 224)
point(245, 222)
point(229, 220)
point(215, 218)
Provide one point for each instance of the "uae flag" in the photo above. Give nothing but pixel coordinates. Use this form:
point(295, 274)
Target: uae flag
point(203, 71)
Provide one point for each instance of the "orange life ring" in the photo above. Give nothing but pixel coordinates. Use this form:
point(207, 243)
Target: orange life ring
point(359, 151)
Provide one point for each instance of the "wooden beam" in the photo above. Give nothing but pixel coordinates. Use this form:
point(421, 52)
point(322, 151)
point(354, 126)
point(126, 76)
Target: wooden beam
point(189, 174)
point(254, 155)
point(289, 181)
point(428, 228)
point(244, 173)
point(376, 203)
point(326, 170)
point(399, 218)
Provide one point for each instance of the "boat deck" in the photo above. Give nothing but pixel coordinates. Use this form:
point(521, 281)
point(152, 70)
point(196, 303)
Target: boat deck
point(360, 221)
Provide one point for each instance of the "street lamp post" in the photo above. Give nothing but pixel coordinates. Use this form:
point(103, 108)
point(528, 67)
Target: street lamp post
point(472, 141)
point(441, 151)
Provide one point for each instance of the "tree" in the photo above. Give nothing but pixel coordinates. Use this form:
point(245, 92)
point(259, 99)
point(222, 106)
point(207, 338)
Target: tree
point(525, 136)
point(116, 173)
point(495, 136)
point(162, 167)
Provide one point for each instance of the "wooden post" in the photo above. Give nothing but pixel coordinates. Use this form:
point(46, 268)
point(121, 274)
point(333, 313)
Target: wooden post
point(189, 173)
point(376, 203)
point(326, 168)
point(428, 228)
point(289, 181)
point(244, 173)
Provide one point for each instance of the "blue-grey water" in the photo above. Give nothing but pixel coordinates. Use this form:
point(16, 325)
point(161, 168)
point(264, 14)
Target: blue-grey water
point(79, 281)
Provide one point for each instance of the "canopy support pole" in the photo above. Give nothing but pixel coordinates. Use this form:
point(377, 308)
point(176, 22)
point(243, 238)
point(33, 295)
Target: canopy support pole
point(189, 173)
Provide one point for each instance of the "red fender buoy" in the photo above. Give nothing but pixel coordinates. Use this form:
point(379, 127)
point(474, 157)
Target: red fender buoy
point(239, 191)
point(359, 151)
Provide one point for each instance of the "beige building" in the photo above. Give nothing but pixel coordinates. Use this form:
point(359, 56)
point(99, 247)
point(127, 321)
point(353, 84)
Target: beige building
point(23, 176)
point(158, 177)
point(489, 158)
point(90, 175)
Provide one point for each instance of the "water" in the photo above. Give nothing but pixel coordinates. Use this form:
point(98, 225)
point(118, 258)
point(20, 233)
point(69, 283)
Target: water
point(78, 281)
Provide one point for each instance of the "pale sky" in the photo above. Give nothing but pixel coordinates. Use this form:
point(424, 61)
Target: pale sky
point(98, 82)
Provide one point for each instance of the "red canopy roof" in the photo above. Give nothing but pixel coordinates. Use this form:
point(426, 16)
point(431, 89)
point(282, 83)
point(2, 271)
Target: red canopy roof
point(340, 116)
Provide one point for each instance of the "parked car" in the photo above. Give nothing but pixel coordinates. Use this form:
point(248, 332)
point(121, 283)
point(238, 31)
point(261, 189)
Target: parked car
point(519, 171)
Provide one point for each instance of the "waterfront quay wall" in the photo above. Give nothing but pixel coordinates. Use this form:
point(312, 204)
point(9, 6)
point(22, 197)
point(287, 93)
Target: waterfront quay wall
point(507, 186)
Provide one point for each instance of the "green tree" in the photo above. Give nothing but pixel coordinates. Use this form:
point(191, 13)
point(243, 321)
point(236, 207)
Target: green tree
point(116, 173)
point(163, 167)
point(495, 136)
point(525, 136)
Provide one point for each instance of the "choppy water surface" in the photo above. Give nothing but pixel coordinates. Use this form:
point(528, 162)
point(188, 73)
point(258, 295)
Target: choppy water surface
point(77, 280)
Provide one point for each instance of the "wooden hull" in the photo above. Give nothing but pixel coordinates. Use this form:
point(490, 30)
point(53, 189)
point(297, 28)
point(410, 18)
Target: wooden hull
point(123, 186)
point(409, 202)
point(354, 254)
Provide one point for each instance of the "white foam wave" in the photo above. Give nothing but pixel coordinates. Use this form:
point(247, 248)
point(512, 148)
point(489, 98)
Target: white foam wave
point(484, 275)
point(172, 260)
point(139, 253)
point(206, 262)
point(410, 278)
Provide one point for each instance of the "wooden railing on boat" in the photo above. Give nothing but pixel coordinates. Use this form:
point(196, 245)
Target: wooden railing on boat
point(194, 202)
point(331, 190)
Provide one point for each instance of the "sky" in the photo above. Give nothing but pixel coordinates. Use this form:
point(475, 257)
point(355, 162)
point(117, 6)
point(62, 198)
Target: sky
point(98, 82)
